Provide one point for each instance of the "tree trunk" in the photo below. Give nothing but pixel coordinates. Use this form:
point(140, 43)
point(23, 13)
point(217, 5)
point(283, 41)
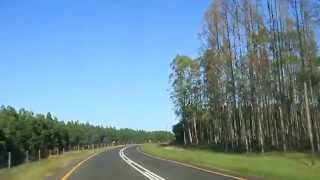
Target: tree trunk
point(308, 116)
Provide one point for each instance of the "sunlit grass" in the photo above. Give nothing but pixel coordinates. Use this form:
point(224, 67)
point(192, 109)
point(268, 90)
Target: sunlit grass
point(47, 167)
point(273, 165)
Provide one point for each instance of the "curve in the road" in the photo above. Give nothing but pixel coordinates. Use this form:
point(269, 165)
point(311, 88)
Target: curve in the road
point(130, 164)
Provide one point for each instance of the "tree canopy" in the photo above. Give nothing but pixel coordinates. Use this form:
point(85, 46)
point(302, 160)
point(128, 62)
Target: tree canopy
point(22, 131)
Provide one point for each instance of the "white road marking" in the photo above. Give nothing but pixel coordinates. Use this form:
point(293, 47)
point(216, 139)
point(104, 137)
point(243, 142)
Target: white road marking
point(147, 173)
point(191, 166)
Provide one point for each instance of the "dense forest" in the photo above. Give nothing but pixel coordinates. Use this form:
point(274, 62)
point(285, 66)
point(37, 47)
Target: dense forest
point(256, 84)
point(22, 131)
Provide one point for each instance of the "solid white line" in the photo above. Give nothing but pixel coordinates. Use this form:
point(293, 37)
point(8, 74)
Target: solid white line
point(147, 173)
point(191, 166)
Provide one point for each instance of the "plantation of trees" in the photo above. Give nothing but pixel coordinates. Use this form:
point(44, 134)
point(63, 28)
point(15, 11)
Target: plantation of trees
point(256, 84)
point(25, 131)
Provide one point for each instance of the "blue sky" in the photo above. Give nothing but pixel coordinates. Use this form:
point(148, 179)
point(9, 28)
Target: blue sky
point(105, 62)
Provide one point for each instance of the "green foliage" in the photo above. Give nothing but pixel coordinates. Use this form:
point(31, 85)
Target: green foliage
point(318, 61)
point(178, 132)
point(23, 130)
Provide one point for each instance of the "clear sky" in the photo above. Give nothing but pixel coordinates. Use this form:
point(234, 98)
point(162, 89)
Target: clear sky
point(99, 61)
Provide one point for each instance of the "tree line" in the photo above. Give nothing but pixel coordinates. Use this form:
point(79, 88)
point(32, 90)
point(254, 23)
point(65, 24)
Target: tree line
point(23, 130)
point(256, 84)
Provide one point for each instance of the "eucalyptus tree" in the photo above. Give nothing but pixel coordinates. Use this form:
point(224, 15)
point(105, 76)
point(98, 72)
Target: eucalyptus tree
point(259, 78)
point(185, 78)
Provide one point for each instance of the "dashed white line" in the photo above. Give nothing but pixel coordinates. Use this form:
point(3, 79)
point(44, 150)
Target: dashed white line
point(147, 173)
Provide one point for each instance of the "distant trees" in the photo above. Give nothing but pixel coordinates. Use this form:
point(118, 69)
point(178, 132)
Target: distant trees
point(256, 85)
point(22, 131)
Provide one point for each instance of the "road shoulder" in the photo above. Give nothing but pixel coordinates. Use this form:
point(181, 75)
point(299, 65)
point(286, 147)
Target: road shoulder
point(215, 171)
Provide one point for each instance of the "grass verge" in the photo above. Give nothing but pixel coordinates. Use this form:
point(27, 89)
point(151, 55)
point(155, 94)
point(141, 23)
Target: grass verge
point(273, 165)
point(46, 167)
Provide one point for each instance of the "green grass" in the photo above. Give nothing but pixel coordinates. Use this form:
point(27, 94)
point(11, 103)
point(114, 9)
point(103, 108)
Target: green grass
point(273, 165)
point(40, 169)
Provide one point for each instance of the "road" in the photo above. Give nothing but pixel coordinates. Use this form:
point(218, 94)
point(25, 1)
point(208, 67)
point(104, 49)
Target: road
point(128, 163)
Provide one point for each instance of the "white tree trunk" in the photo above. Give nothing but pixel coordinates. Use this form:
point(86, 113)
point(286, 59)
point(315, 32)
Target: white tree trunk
point(308, 116)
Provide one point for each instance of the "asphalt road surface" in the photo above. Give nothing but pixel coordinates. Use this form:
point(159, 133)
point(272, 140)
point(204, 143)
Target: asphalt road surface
point(128, 163)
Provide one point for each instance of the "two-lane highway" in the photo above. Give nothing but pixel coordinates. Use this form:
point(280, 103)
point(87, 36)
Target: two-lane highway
point(127, 163)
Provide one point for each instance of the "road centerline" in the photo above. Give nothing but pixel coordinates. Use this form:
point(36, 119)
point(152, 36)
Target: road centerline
point(147, 173)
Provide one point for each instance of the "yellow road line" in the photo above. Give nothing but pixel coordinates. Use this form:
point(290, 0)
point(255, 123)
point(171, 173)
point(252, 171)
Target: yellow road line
point(194, 167)
point(65, 177)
